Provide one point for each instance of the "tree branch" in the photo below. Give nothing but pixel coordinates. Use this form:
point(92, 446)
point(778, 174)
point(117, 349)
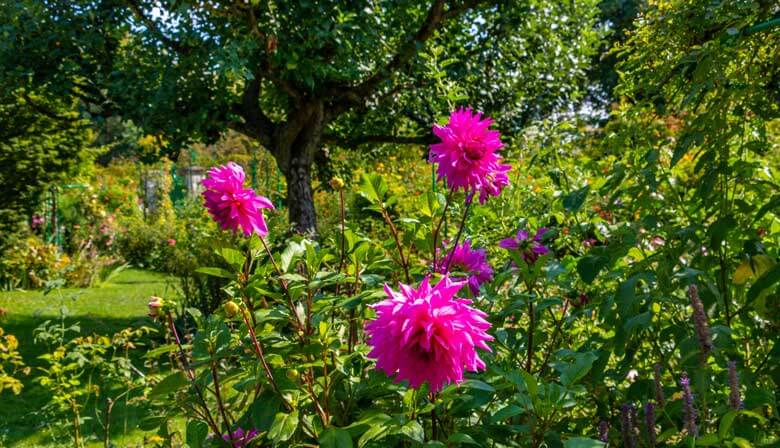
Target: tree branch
point(149, 23)
point(363, 139)
point(403, 55)
point(347, 97)
point(256, 123)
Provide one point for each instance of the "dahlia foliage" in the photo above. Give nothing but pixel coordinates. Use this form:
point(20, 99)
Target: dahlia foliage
point(230, 204)
point(467, 155)
point(427, 334)
point(469, 260)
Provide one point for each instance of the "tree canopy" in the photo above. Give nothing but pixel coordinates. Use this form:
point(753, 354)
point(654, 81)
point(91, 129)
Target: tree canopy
point(296, 76)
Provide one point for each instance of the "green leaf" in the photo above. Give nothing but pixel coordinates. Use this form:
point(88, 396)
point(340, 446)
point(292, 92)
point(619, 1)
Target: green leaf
point(581, 442)
point(413, 431)
point(479, 385)
point(292, 251)
point(373, 188)
point(335, 438)
point(574, 200)
point(640, 321)
point(233, 257)
point(741, 443)
point(765, 281)
point(283, 427)
point(161, 350)
point(589, 266)
point(197, 432)
point(574, 371)
point(708, 440)
point(169, 384)
point(506, 412)
point(459, 437)
point(216, 272)
point(725, 424)
point(720, 229)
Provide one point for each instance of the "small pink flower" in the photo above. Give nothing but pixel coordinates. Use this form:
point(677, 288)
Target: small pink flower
point(427, 334)
point(37, 221)
point(467, 155)
point(240, 438)
point(171, 242)
point(232, 205)
point(470, 261)
point(532, 248)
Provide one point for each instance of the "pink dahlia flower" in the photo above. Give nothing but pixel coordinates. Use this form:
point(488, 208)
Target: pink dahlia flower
point(232, 205)
point(470, 261)
point(427, 334)
point(532, 248)
point(467, 155)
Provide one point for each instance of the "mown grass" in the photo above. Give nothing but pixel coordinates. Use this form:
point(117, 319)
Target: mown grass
point(102, 310)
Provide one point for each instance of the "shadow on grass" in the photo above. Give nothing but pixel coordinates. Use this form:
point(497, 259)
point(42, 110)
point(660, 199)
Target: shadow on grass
point(23, 420)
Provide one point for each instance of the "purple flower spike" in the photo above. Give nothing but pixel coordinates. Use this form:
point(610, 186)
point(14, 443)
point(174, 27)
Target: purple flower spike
point(700, 323)
point(604, 431)
point(627, 425)
point(650, 424)
point(735, 401)
point(659, 387)
point(689, 411)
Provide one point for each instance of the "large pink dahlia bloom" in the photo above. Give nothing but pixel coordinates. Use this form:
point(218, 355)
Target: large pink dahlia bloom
point(427, 334)
point(469, 260)
point(232, 205)
point(467, 155)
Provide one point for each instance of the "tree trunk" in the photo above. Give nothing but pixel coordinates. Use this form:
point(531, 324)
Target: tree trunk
point(296, 145)
point(300, 201)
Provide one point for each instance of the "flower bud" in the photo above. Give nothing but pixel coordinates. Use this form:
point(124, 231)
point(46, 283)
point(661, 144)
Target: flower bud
point(155, 303)
point(230, 309)
point(292, 374)
point(337, 183)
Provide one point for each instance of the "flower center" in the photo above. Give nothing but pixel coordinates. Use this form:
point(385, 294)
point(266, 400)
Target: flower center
point(474, 151)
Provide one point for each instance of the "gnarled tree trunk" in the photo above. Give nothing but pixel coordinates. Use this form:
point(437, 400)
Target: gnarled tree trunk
point(295, 146)
point(300, 200)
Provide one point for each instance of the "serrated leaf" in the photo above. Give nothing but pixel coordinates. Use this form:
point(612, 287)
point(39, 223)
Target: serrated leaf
point(589, 266)
point(169, 384)
point(284, 426)
point(335, 438)
point(413, 431)
point(197, 432)
point(573, 201)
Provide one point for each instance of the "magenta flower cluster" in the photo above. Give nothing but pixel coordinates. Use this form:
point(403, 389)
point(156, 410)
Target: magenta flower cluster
point(428, 334)
point(469, 260)
point(230, 204)
point(240, 438)
point(468, 155)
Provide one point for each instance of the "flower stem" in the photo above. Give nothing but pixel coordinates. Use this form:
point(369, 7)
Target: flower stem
point(438, 226)
point(191, 376)
point(283, 282)
point(394, 231)
point(218, 395)
point(457, 237)
point(343, 224)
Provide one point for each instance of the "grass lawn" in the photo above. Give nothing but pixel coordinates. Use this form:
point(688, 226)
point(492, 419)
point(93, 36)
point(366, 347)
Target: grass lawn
point(102, 310)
